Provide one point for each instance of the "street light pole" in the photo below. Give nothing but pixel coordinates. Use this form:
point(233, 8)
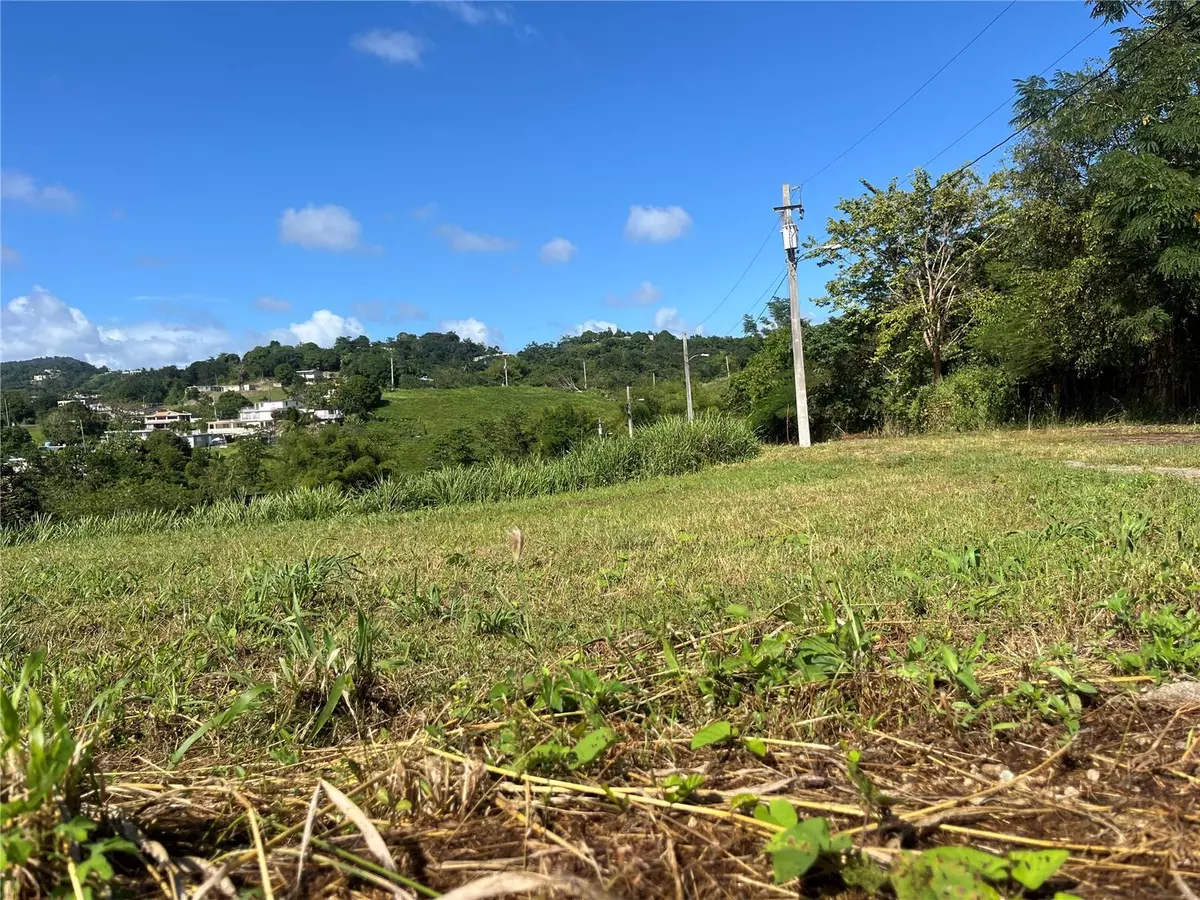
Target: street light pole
point(687, 378)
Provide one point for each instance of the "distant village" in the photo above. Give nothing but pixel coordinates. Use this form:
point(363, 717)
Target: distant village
point(258, 418)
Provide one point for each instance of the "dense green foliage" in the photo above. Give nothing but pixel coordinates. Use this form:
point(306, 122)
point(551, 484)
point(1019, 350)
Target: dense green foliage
point(669, 447)
point(1067, 285)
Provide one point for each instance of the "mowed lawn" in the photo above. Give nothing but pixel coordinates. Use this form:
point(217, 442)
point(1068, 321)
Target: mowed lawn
point(922, 642)
point(877, 525)
point(412, 423)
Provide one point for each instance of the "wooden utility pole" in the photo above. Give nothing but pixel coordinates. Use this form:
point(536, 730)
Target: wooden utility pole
point(392, 361)
point(727, 375)
point(629, 410)
point(585, 374)
point(506, 370)
point(687, 379)
point(791, 242)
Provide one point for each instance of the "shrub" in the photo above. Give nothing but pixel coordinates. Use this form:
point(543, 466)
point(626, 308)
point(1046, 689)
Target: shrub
point(970, 398)
point(669, 447)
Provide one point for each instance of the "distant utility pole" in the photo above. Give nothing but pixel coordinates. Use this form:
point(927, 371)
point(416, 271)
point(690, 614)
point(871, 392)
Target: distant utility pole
point(687, 379)
point(506, 370)
point(791, 242)
point(392, 361)
point(585, 374)
point(727, 375)
point(629, 410)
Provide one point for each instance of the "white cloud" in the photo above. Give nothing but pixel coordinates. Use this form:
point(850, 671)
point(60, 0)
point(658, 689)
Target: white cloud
point(462, 241)
point(273, 304)
point(376, 311)
point(325, 227)
point(657, 224)
point(400, 47)
point(21, 188)
point(322, 329)
point(473, 330)
point(9, 256)
point(40, 324)
point(667, 318)
point(424, 212)
point(596, 325)
point(558, 250)
point(476, 14)
point(644, 294)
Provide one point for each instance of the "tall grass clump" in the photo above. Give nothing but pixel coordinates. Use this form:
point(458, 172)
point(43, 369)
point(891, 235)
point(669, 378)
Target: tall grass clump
point(666, 448)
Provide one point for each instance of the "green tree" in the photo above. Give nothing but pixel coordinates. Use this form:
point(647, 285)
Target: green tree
point(14, 441)
point(71, 424)
point(911, 260)
point(229, 403)
point(357, 395)
point(15, 407)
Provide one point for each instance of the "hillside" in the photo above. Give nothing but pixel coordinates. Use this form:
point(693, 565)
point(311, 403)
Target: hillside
point(413, 424)
point(939, 636)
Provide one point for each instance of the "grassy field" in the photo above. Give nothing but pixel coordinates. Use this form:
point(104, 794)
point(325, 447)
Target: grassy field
point(916, 644)
point(413, 422)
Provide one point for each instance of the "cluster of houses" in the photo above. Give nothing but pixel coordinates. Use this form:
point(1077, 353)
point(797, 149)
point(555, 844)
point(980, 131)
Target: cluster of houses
point(251, 420)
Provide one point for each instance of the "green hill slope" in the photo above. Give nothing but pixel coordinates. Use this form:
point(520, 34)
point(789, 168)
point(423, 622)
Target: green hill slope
point(412, 423)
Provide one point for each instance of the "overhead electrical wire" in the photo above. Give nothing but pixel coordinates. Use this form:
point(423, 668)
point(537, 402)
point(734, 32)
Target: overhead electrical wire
point(910, 97)
point(729, 294)
point(1009, 102)
point(1162, 29)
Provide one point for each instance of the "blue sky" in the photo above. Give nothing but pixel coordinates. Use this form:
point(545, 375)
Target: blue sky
point(181, 179)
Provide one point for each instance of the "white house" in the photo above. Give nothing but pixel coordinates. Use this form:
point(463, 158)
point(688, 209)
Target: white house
point(232, 427)
point(265, 410)
point(165, 418)
point(310, 375)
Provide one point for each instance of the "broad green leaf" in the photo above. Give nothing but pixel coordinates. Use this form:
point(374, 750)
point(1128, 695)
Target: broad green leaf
point(755, 746)
point(742, 801)
point(950, 659)
point(1032, 867)
point(1061, 674)
point(711, 734)
point(794, 851)
point(737, 611)
point(591, 745)
point(988, 865)
point(76, 830)
point(669, 656)
point(783, 813)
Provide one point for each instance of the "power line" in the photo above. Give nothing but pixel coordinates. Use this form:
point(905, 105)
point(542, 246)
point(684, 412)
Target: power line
point(740, 277)
point(769, 293)
point(907, 99)
point(1069, 95)
point(1010, 100)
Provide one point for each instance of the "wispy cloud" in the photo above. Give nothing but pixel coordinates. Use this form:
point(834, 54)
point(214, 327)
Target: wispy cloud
point(326, 227)
point(557, 250)
point(424, 212)
point(476, 14)
point(378, 311)
point(657, 224)
point(145, 261)
point(644, 294)
point(9, 256)
point(398, 47)
point(462, 241)
point(17, 187)
point(273, 304)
